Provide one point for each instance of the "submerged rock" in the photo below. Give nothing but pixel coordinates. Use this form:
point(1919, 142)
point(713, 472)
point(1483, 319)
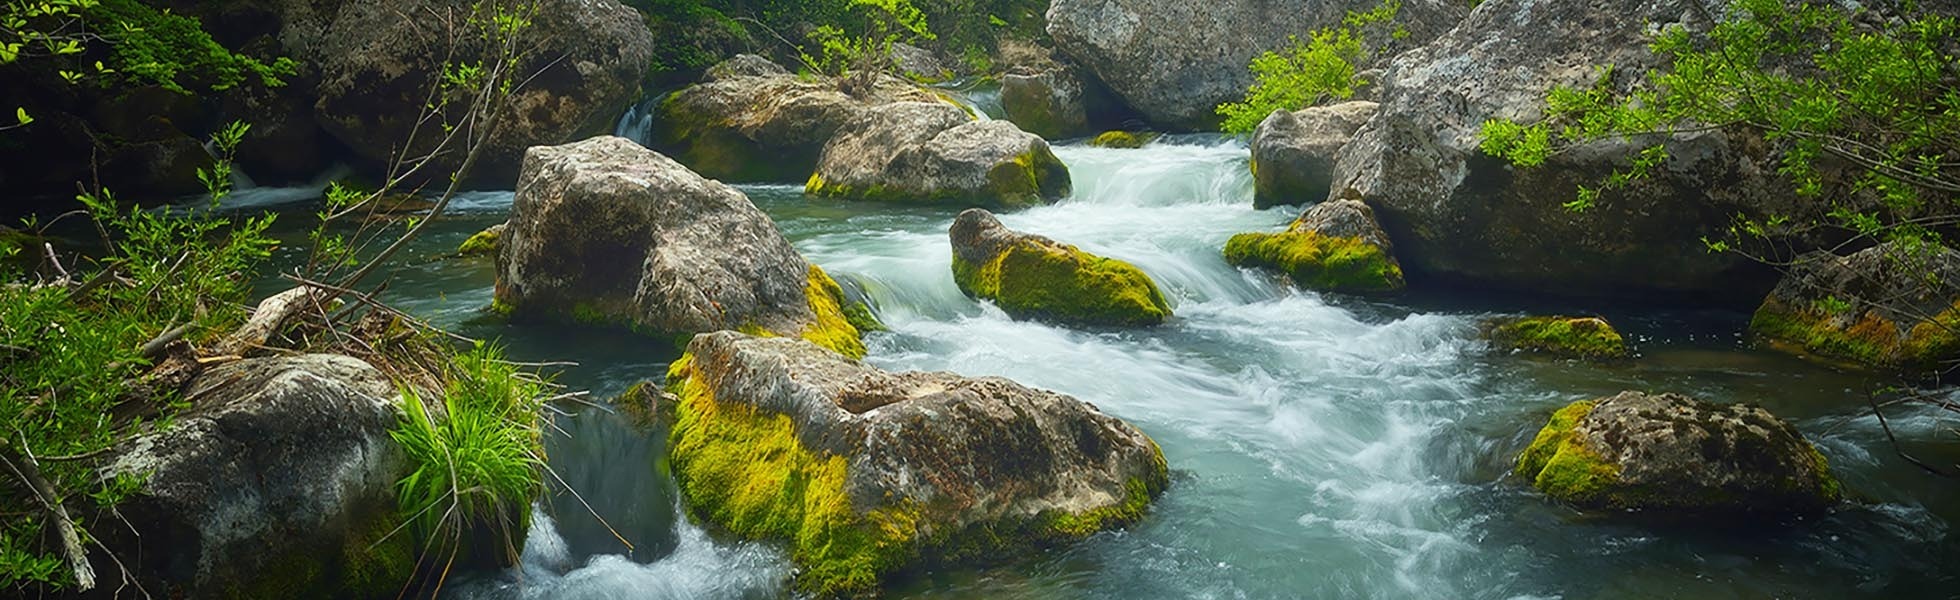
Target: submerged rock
point(1293, 153)
point(753, 121)
point(1175, 61)
point(1677, 456)
point(605, 231)
point(1029, 276)
point(1123, 139)
point(1884, 306)
point(1335, 246)
point(865, 472)
point(919, 152)
point(1571, 337)
point(1457, 214)
point(483, 243)
point(278, 482)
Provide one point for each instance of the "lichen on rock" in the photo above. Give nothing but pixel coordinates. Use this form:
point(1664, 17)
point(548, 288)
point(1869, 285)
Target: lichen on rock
point(1884, 306)
point(862, 472)
point(1574, 337)
point(1030, 276)
point(1334, 246)
point(1675, 456)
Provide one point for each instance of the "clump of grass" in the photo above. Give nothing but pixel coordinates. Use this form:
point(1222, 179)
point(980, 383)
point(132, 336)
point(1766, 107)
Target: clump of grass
point(476, 467)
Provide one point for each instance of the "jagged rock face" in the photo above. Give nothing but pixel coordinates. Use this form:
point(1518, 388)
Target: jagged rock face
point(609, 232)
point(753, 121)
point(1883, 306)
point(1335, 246)
point(934, 153)
point(278, 482)
point(865, 472)
point(1460, 215)
point(1293, 153)
point(1176, 61)
point(1033, 277)
point(1676, 456)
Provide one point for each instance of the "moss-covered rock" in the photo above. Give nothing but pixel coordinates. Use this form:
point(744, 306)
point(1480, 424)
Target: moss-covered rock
point(1572, 337)
point(1884, 306)
point(483, 243)
point(863, 472)
point(1335, 246)
point(934, 153)
point(1030, 276)
point(1676, 456)
point(1123, 139)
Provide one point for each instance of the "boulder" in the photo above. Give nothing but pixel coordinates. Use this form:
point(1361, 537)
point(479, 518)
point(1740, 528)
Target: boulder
point(1678, 457)
point(483, 243)
point(919, 63)
point(864, 472)
point(1335, 246)
point(1883, 306)
point(1029, 276)
point(934, 153)
point(277, 482)
point(1460, 215)
point(1176, 61)
point(1056, 100)
point(1589, 338)
point(376, 62)
point(1123, 139)
point(607, 232)
point(1293, 153)
point(753, 121)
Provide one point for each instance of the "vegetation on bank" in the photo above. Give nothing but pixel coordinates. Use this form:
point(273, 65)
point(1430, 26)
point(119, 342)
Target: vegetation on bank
point(1320, 69)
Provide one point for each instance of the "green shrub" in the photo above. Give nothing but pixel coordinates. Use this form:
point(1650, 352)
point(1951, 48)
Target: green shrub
point(480, 463)
point(1308, 73)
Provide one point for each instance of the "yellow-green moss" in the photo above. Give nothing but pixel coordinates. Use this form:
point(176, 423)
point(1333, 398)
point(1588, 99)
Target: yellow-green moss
point(833, 328)
point(1065, 284)
point(376, 561)
point(1321, 262)
point(1871, 339)
point(744, 469)
point(1559, 464)
point(1020, 181)
point(483, 243)
point(1122, 139)
point(1580, 337)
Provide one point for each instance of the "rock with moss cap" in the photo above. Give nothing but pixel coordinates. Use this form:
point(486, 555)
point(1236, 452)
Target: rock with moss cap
point(934, 153)
point(1293, 153)
point(1029, 276)
point(1677, 457)
point(864, 472)
point(483, 243)
point(607, 232)
point(279, 482)
point(753, 121)
point(1884, 306)
point(1589, 338)
point(1123, 139)
point(1335, 246)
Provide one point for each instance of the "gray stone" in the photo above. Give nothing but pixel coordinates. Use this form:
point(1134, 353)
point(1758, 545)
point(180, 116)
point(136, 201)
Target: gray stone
point(917, 152)
point(1884, 306)
point(1293, 153)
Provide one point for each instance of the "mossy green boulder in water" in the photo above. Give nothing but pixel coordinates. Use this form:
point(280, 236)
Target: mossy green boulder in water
point(1122, 139)
point(863, 472)
point(1030, 276)
point(1885, 306)
point(934, 153)
point(483, 243)
point(1676, 457)
point(1335, 246)
point(1573, 337)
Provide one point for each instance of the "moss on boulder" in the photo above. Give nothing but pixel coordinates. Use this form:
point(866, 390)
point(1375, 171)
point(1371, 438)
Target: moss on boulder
point(863, 473)
point(1678, 457)
point(1885, 306)
point(1573, 337)
point(1123, 139)
point(1334, 246)
point(1030, 276)
point(483, 243)
point(934, 153)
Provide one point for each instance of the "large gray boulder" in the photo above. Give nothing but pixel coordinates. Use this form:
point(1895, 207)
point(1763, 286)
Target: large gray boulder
point(1460, 215)
point(1051, 97)
point(1175, 61)
point(605, 231)
point(279, 481)
point(1677, 456)
point(934, 153)
point(753, 121)
point(1293, 153)
point(376, 62)
point(1885, 306)
point(864, 472)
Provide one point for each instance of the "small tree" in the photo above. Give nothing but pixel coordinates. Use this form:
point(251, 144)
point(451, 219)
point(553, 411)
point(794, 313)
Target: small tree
point(1321, 69)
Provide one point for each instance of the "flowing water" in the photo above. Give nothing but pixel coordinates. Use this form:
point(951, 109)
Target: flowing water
point(1322, 446)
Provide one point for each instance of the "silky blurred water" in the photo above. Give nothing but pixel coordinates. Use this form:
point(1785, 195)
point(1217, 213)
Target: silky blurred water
point(1322, 446)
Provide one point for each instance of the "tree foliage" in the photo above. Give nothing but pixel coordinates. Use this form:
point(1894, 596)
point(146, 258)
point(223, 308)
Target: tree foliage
point(1320, 69)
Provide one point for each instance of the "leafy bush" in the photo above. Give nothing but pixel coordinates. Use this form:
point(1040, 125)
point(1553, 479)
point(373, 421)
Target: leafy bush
point(1308, 73)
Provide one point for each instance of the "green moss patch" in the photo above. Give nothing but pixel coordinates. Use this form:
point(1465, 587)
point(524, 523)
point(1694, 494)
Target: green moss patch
point(1870, 339)
point(834, 327)
point(484, 243)
point(1063, 283)
point(1122, 139)
point(1578, 337)
point(1316, 261)
point(1559, 464)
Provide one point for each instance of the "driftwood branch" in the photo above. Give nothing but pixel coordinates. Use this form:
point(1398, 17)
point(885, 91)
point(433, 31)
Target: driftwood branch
point(270, 316)
point(24, 468)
